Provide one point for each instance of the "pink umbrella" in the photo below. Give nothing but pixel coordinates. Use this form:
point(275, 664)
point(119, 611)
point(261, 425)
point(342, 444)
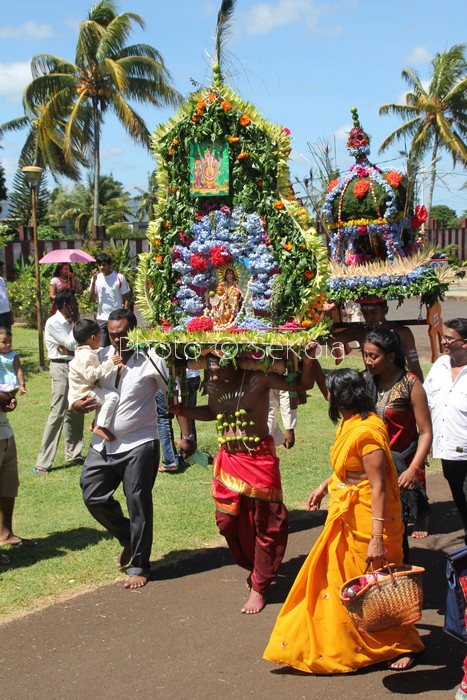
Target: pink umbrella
point(67, 255)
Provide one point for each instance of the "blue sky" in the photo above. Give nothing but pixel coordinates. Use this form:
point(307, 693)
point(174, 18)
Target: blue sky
point(302, 63)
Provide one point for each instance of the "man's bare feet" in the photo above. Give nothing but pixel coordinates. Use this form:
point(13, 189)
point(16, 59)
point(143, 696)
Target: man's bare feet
point(124, 558)
point(103, 433)
point(420, 529)
point(254, 604)
point(135, 582)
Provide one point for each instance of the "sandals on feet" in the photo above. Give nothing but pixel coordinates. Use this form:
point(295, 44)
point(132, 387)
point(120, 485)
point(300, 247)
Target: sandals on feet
point(40, 471)
point(413, 658)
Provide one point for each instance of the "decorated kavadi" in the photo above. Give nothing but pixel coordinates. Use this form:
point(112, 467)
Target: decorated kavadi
point(234, 262)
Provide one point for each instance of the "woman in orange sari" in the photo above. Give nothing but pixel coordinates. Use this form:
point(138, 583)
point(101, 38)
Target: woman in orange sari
point(313, 631)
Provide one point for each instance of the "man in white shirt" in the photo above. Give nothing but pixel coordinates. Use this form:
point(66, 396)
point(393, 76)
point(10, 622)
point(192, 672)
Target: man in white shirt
point(446, 388)
point(132, 458)
point(6, 317)
point(279, 402)
point(60, 343)
point(111, 289)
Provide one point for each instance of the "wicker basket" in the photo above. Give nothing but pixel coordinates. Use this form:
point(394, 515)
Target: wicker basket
point(393, 597)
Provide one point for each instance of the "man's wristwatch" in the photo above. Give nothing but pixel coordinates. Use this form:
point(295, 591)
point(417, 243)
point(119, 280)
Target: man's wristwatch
point(189, 437)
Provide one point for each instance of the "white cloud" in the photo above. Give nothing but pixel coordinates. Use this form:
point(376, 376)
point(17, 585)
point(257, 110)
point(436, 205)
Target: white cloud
point(419, 56)
point(13, 79)
point(342, 133)
point(28, 30)
point(264, 17)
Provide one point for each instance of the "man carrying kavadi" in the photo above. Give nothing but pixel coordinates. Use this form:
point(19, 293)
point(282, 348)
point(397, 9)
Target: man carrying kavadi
point(246, 484)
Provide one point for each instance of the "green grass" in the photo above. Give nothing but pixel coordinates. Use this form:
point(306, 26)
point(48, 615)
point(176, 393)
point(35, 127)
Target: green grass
point(74, 553)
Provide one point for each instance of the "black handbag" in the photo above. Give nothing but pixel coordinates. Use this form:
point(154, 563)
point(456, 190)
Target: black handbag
point(456, 569)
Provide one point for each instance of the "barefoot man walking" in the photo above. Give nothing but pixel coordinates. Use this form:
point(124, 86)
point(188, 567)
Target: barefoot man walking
point(246, 484)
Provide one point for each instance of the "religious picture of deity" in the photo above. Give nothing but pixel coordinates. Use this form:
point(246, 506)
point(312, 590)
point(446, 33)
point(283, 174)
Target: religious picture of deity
point(209, 169)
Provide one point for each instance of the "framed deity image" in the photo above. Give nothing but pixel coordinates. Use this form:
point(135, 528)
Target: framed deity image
point(209, 168)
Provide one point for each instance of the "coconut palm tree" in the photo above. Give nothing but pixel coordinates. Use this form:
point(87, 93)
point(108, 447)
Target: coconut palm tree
point(435, 117)
point(106, 74)
point(76, 204)
point(44, 146)
point(147, 199)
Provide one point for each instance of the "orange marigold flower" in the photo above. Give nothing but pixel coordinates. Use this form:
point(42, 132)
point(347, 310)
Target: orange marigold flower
point(174, 189)
point(288, 245)
point(166, 224)
point(309, 274)
point(394, 178)
point(243, 155)
point(306, 323)
point(226, 106)
point(158, 258)
point(157, 242)
point(260, 183)
point(194, 118)
point(332, 184)
point(171, 152)
point(263, 221)
point(278, 204)
point(234, 139)
point(211, 97)
point(361, 188)
point(200, 112)
point(201, 104)
point(175, 142)
point(244, 120)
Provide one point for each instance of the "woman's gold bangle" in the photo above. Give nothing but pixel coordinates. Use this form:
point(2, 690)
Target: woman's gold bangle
point(322, 490)
point(377, 534)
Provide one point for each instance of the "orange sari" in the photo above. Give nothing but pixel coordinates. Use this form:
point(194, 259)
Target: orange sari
point(313, 631)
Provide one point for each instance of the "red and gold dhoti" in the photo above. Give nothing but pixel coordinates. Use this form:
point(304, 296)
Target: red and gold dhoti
point(247, 491)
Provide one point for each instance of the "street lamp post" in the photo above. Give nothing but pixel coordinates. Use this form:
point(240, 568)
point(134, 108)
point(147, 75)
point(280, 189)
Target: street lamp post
point(33, 174)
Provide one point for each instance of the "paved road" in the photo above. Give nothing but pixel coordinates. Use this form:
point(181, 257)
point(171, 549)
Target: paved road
point(183, 638)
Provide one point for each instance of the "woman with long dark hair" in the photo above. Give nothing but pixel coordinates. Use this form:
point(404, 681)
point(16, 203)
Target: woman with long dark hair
point(401, 402)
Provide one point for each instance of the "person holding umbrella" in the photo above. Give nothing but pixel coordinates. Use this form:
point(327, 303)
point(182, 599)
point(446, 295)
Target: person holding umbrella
point(64, 278)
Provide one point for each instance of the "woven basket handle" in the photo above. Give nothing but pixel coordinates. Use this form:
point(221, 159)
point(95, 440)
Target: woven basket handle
point(384, 565)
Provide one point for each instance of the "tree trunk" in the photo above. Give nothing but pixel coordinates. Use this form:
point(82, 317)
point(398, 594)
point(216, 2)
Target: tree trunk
point(433, 174)
point(95, 208)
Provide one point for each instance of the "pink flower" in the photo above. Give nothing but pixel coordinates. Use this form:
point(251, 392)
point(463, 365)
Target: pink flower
point(285, 130)
point(362, 171)
point(184, 239)
point(362, 230)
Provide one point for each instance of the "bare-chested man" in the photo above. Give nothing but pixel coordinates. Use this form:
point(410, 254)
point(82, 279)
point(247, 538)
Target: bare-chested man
point(246, 483)
point(374, 313)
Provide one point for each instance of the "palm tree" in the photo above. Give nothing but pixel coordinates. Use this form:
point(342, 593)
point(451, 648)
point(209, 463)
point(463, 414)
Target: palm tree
point(77, 205)
point(106, 74)
point(435, 117)
point(44, 145)
point(147, 199)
